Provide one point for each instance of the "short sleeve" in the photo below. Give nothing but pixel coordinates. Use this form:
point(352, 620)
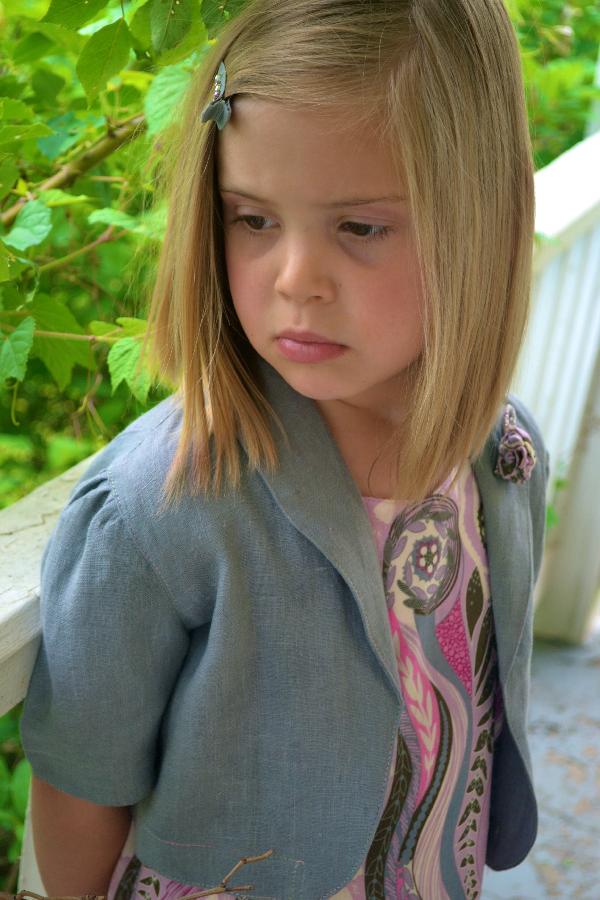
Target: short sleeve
point(111, 650)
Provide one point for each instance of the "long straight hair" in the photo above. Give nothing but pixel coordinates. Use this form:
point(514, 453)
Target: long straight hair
point(441, 82)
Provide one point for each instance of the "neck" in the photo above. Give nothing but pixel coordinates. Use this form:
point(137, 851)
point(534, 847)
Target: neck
point(363, 441)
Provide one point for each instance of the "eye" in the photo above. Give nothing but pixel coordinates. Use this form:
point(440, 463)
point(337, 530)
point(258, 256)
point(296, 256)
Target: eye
point(252, 224)
point(368, 232)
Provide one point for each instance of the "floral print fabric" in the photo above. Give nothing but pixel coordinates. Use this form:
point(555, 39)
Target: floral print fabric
point(432, 835)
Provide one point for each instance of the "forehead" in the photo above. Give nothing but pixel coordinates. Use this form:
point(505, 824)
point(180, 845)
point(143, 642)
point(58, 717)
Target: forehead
point(273, 149)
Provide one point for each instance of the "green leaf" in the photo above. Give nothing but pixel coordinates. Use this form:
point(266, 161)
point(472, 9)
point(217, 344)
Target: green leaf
point(7, 819)
point(21, 779)
point(68, 129)
point(170, 20)
point(9, 722)
point(100, 328)
point(103, 56)
point(63, 37)
point(123, 360)
point(47, 85)
point(55, 197)
point(11, 86)
point(140, 25)
point(32, 225)
point(4, 784)
point(14, 350)
point(132, 326)
point(11, 297)
point(10, 133)
point(73, 13)
point(8, 175)
point(109, 216)
point(30, 48)
point(152, 224)
point(216, 12)
point(164, 94)
point(59, 355)
point(63, 451)
point(14, 109)
point(10, 266)
point(195, 44)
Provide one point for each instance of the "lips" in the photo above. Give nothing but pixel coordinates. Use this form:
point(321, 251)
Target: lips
point(308, 347)
point(309, 337)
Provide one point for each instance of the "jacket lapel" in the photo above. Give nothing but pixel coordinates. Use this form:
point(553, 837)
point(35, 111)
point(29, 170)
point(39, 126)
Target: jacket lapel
point(508, 528)
point(322, 501)
point(318, 495)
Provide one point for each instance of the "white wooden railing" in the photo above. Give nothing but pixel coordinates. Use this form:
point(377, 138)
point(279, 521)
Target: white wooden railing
point(558, 378)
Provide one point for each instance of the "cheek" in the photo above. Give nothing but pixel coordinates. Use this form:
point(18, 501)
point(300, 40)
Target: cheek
point(396, 299)
point(245, 273)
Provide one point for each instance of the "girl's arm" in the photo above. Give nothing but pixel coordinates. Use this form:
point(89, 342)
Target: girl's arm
point(77, 843)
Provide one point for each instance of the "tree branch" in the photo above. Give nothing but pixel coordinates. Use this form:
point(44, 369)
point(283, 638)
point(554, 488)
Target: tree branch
point(106, 236)
point(117, 135)
point(69, 336)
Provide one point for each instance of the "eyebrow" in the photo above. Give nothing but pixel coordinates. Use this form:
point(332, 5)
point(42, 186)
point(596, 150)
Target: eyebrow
point(349, 201)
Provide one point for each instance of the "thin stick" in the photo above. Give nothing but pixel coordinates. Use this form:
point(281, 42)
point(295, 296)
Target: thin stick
point(220, 889)
point(117, 135)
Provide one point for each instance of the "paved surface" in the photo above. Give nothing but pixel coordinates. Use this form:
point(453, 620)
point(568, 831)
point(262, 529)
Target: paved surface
point(565, 744)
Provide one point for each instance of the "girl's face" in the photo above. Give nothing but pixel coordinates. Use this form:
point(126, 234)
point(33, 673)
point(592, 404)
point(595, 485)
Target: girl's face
point(318, 239)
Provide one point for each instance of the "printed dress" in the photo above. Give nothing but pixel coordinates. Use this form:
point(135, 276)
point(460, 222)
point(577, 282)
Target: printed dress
point(432, 834)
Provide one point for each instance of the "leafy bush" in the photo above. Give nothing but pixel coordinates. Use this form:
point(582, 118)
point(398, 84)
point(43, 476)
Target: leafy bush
point(85, 89)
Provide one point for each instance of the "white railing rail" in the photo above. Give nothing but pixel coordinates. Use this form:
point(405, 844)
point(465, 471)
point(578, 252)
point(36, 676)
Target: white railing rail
point(555, 379)
point(562, 341)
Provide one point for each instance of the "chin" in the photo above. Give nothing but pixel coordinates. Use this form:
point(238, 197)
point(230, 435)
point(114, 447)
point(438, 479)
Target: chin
point(313, 384)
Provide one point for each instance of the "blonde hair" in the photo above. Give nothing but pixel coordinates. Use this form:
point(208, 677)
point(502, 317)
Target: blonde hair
point(441, 81)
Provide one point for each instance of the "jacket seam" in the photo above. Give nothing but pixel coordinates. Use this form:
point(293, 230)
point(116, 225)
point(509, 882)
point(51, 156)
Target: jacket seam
point(138, 549)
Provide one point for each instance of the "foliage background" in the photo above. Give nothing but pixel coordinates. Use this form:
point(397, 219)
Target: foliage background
point(86, 87)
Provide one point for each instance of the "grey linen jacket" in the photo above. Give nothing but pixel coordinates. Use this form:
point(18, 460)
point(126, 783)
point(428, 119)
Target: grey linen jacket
point(227, 669)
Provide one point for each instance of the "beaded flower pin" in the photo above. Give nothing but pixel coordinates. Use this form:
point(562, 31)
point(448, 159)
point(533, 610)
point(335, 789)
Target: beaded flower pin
point(219, 108)
point(516, 453)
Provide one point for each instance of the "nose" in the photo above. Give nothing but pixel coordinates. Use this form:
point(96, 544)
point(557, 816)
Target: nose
point(304, 269)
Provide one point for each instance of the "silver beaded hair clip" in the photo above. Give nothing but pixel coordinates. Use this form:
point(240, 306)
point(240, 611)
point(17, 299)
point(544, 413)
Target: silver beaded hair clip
point(219, 108)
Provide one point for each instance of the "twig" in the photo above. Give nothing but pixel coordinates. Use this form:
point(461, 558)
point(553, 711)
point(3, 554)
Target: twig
point(67, 336)
point(221, 888)
point(118, 134)
point(106, 236)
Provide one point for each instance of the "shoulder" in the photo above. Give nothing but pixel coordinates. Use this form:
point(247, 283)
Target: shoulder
point(151, 433)
point(116, 512)
point(97, 500)
point(124, 480)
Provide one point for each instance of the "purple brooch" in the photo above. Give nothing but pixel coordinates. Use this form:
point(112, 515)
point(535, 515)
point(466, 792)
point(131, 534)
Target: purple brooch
point(516, 453)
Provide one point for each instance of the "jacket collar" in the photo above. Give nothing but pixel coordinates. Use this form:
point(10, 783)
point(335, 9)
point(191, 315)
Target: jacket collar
point(321, 499)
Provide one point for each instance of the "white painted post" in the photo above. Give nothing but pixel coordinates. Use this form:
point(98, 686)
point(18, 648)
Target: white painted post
point(571, 573)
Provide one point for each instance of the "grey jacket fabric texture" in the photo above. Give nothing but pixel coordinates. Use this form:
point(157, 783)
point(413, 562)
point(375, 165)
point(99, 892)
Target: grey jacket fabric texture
point(226, 667)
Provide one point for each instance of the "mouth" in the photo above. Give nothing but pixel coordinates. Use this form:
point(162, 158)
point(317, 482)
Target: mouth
point(306, 337)
point(308, 347)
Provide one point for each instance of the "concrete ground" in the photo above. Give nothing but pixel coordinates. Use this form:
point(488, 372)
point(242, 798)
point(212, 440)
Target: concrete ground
point(565, 744)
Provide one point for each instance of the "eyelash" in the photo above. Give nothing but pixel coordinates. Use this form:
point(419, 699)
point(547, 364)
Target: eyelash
point(382, 230)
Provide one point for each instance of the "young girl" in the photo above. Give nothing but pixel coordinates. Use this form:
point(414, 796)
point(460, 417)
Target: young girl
point(287, 612)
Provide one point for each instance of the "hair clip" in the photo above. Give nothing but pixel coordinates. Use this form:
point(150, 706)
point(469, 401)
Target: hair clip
point(516, 453)
point(219, 108)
